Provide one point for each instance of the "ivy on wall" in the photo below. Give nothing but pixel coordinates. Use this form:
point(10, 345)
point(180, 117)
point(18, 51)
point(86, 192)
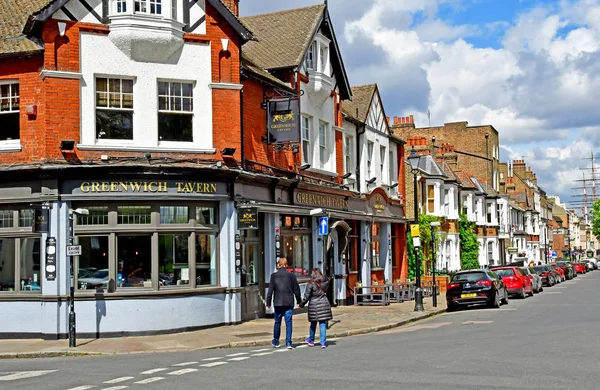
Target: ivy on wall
point(469, 247)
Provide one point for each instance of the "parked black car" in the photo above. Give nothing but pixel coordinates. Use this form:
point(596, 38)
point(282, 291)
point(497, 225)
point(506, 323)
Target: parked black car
point(568, 268)
point(476, 287)
point(548, 278)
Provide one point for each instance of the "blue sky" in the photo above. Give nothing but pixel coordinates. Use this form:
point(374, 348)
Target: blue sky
point(530, 68)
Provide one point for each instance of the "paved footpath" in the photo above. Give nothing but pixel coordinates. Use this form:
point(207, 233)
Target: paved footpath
point(348, 321)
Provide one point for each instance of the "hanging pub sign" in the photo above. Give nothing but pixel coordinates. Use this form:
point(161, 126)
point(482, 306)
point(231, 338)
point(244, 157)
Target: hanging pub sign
point(283, 120)
point(50, 258)
point(248, 218)
point(41, 216)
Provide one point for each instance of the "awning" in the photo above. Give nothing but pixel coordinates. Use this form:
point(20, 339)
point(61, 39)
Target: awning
point(339, 214)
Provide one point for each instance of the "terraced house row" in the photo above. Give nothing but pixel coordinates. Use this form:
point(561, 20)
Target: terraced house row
point(184, 148)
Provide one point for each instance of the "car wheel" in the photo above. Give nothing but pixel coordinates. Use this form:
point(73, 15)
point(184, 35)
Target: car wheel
point(531, 293)
point(450, 308)
point(505, 299)
point(541, 289)
point(495, 303)
point(522, 293)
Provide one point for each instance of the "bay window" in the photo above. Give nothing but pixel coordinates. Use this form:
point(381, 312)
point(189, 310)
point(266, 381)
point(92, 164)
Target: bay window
point(323, 143)
point(305, 138)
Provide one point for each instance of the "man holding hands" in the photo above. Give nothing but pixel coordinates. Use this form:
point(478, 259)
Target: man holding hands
point(285, 286)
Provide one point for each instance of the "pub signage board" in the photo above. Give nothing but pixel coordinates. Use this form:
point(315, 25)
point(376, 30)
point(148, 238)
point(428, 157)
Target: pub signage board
point(320, 200)
point(50, 258)
point(41, 216)
point(283, 120)
point(155, 187)
point(247, 218)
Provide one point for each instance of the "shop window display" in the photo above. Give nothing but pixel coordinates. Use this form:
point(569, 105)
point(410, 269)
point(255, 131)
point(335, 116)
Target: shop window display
point(206, 259)
point(93, 263)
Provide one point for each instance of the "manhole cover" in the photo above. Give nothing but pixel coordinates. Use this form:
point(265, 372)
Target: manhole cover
point(244, 335)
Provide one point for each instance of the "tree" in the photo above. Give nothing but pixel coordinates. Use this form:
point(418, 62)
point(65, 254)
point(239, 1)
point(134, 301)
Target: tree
point(425, 233)
point(596, 219)
point(411, 256)
point(469, 247)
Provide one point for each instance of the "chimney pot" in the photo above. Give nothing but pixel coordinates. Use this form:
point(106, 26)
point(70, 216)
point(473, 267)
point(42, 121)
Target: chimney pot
point(412, 119)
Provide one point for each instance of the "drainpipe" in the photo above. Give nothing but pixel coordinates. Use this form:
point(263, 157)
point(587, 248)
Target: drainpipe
point(242, 154)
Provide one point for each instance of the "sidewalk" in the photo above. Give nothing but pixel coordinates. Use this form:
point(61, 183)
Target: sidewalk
point(348, 321)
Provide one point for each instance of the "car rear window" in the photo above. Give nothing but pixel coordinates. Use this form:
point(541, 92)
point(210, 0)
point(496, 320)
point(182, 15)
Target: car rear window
point(540, 268)
point(469, 277)
point(504, 272)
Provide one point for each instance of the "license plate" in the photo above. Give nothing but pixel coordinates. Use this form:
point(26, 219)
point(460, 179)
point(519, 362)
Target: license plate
point(473, 295)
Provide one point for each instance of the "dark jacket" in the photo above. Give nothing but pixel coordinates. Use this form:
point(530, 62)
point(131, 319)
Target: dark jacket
point(285, 286)
point(319, 308)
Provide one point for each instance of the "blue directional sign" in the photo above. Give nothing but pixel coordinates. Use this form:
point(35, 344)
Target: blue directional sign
point(323, 226)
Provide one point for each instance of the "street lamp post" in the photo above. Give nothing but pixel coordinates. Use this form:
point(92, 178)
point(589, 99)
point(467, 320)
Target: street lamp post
point(72, 323)
point(413, 160)
point(434, 260)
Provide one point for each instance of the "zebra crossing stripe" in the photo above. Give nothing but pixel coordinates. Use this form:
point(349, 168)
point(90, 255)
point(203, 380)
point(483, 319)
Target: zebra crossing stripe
point(13, 376)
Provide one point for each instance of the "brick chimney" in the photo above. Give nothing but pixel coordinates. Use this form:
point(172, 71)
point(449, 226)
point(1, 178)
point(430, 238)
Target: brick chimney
point(519, 168)
point(404, 122)
point(233, 5)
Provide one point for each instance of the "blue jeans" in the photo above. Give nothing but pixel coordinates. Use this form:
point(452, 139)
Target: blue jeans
point(322, 331)
point(286, 312)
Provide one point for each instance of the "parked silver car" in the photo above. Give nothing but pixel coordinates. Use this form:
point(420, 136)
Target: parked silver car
point(536, 280)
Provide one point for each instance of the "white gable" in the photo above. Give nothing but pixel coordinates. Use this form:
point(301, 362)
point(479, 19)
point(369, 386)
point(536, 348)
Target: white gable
point(376, 118)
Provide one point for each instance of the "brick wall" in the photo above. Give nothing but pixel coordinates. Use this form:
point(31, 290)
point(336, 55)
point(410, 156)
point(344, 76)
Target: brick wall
point(58, 99)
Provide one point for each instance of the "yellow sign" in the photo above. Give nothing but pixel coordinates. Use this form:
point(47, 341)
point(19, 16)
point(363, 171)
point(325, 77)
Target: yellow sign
point(414, 230)
point(143, 186)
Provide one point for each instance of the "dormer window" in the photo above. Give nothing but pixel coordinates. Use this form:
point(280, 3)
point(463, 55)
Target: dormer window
point(148, 7)
point(310, 56)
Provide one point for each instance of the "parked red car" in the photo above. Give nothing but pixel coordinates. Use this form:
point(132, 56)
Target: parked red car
point(579, 268)
point(517, 283)
point(561, 272)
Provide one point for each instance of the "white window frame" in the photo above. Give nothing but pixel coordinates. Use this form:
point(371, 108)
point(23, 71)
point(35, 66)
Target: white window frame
point(392, 168)
point(446, 202)
point(370, 146)
point(108, 108)
point(305, 138)
point(323, 57)
point(382, 154)
point(310, 55)
point(148, 5)
point(11, 109)
point(170, 100)
point(348, 163)
point(323, 153)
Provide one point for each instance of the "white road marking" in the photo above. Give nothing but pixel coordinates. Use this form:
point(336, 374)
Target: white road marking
point(153, 371)
point(184, 364)
point(150, 380)
point(261, 350)
point(115, 388)
point(211, 359)
point(182, 372)
point(83, 387)
point(119, 380)
point(13, 376)
point(554, 292)
point(238, 359)
point(237, 354)
point(304, 346)
point(414, 328)
point(262, 354)
point(214, 364)
point(281, 350)
point(476, 322)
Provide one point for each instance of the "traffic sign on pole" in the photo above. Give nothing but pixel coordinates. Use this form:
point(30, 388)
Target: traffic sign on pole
point(323, 226)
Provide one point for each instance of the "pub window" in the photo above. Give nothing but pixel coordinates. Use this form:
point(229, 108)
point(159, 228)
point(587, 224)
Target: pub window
point(375, 245)
point(114, 108)
point(26, 217)
point(173, 260)
point(92, 273)
point(175, 111)
point(305, 136)
point(9, 111)
point(135, 261)
point(98, 215)
point(21, 254)
point(205, 215)
point(6, 219)
point(173, 214)
point(206, 259)
point(133, 215)
point(296, 244)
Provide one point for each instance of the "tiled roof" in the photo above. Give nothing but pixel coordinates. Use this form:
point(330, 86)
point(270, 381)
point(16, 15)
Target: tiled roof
point(451, 176)
point(488, 188)
point(428, 165)
point(465, 180)
point(361, 100)
point(13, 17)
point(282, 37)
point(479, 188)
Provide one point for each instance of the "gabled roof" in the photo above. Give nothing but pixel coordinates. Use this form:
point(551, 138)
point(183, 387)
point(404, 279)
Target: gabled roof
point(13, 18)
point(465, 179)
point(358, 107)
point(428, 166)
point(21, 19)
point(448, 172)
point(479, 189)
point(489, 190)
point(282, 39)
point(252, 70)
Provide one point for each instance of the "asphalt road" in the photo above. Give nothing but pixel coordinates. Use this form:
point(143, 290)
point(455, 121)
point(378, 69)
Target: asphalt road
point(549, 341)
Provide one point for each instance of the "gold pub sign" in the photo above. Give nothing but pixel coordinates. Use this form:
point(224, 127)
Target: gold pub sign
point(147, 187)
point(326, 201)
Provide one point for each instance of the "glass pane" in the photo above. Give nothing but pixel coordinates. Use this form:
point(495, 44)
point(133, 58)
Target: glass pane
point(10, 125)
point(4, 105)
point(101, 84)
point(206, 260)
point(26, 218)
point(114, 85)
point(249, 273)
point(163, 88)
point(133, 215)
point(175, 103)
point(114, 100)
point(101, 99)
point(31, 277)
point(127, 86)
point(205, 215)
point(163, 103)
point(296, 249)
point(176, 89)
point(187, 90)
point(173, 260)
point(173, 214)
point(175, 127)
point(97, 216)
point(127, 101)
point(187, 104)
point(5, 90)
point(93, 263)
point(6, 219)
point(7, 261)
point(114, 124)
point(134, 259)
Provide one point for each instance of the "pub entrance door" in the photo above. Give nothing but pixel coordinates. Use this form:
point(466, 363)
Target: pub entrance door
point(252, 279)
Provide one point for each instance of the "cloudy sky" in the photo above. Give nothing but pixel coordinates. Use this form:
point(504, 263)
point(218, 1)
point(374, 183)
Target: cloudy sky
point(530, 68)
